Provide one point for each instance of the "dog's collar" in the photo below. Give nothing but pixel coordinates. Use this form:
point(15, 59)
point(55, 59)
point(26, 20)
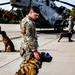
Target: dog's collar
point(35, 63)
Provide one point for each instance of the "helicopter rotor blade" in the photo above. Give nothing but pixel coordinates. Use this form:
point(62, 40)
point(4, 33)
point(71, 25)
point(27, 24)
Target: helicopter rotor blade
point(5, 3)
point(66, 3)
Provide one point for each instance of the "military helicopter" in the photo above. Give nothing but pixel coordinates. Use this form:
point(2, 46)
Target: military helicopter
point(52, 16)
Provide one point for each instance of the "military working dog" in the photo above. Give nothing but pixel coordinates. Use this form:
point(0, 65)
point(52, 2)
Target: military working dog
point(65, 34)
point(8, 44)
point(33, 65)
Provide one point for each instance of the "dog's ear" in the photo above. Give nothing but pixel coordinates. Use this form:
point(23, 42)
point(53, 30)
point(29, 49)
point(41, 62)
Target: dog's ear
point(3, 32)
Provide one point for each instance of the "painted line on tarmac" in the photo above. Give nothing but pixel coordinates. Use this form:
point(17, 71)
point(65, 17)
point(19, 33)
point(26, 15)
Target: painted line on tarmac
point(9, 62)
point(48, 42)
point(12, 38)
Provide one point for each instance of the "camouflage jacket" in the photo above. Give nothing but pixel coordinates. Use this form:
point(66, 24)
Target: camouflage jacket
point(28, 31)
point(71, 24)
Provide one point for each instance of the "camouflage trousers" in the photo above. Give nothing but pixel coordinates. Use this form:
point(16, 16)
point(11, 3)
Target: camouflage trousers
point(26, 53)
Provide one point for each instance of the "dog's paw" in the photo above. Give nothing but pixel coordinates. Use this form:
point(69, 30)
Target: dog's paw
point(58, 40)
point(70, 40)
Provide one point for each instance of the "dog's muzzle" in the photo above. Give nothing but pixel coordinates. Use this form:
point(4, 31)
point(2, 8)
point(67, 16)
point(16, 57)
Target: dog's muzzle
point(45, 57)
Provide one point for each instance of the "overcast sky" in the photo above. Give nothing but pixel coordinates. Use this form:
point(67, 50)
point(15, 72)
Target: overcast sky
point(8, 7)
point(67, 6)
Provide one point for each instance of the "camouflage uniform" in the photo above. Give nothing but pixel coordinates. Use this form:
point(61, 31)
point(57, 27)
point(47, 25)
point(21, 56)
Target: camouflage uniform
point(29, 38)
point(70, 26)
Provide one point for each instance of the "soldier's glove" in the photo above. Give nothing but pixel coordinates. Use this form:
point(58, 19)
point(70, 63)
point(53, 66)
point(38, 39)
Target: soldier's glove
point(36, 55)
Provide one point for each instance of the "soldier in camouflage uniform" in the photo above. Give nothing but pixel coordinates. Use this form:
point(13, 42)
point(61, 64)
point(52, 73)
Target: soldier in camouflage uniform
point(29, 44)
point(71, 24)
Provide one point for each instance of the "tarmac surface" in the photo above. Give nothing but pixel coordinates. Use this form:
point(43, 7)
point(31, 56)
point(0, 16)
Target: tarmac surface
point(63, 52)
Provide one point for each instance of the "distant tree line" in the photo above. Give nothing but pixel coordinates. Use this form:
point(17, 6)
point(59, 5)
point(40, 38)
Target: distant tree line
point(9, 17)
point(70, 13)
